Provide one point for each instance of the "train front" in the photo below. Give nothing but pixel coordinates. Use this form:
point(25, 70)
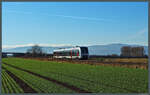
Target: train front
point(84, 53)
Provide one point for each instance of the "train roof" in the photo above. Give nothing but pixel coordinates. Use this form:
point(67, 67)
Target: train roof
point(62, 49)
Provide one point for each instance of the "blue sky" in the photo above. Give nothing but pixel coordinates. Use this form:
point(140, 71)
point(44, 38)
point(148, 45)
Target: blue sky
point(74, 23)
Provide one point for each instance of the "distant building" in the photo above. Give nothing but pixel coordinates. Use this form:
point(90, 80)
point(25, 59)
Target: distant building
point(132, 51)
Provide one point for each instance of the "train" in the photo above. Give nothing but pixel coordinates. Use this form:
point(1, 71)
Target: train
point(72, 53)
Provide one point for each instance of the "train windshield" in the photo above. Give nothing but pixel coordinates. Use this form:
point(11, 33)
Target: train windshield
point(84, 50)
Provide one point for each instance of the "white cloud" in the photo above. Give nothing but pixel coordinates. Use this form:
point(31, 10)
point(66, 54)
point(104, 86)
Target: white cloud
point(138, 38)
point(14, 46)
point(60, 15)
point(82, 18)
point(25, 45)
point(54, 45)
point(43, 45)
point(138, 34)
point(18, 12)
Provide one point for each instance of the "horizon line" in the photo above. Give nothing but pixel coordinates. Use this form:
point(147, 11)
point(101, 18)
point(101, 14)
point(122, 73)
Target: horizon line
point(61, 45)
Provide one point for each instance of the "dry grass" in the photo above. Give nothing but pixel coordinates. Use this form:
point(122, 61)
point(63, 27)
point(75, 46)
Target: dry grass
point(125, 60)
point(121, 62)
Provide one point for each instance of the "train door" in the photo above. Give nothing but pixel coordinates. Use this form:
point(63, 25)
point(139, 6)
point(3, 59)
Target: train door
point(71, 53)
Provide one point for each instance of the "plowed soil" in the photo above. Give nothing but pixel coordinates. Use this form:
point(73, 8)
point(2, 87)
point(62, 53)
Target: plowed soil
point(25, 87)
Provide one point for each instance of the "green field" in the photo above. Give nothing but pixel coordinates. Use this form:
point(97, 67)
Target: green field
point(56, 77)
point(9, 85)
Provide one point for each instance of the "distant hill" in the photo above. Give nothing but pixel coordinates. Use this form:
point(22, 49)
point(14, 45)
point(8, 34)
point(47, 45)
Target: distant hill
point(93, 50)
point(110, 49)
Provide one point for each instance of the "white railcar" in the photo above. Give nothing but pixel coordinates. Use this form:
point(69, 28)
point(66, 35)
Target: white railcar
point(72, 53)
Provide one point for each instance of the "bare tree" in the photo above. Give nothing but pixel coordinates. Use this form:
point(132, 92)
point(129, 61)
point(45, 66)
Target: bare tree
point(35, 51)
point(137, 51)
point(126, 51)
point(132, 51)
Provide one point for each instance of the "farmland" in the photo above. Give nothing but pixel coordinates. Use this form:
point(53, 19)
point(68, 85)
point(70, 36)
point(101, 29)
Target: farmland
point(64, 77)
point(9, 85)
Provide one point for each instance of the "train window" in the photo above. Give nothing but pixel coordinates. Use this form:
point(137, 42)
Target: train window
point(84, 50)
point(60, 53)
point(70, 53)
point(77, 52)
point(64, 53)
point(54, 53)
point(73, 52)
point(67, 53)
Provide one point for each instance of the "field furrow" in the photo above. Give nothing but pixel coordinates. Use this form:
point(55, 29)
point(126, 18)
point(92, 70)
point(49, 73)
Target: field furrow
point(8, 84)
point(39, 84)
point(91, 78)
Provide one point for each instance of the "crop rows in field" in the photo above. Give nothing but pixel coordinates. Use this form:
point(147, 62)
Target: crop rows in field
point(49, 79)
point(105, 79)
point(9, 85)
point(40, 85)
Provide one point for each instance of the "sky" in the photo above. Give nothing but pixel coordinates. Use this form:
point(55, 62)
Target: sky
point(74, 23)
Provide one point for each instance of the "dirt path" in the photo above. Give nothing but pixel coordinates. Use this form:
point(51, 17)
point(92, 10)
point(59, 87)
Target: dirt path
point(78, 90)
point(25, 87)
